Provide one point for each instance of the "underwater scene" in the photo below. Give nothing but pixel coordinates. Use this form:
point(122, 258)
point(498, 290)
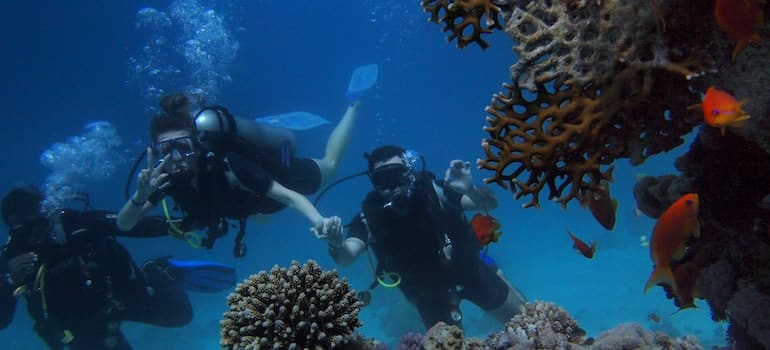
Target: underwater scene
point(432, 174)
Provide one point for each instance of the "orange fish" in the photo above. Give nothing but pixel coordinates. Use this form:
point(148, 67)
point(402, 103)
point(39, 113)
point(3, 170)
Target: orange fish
point(602, 206)
point(721, 110)
point(582, 247)
point(678, 223)
point(486, 228)
point(685, 276)
point(739, 19)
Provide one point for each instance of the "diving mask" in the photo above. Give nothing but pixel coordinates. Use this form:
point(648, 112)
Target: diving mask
point(178, 148)
point(395, 182)
point(390, 176)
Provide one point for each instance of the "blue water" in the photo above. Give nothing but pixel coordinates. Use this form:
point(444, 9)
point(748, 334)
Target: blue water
point(69, 63)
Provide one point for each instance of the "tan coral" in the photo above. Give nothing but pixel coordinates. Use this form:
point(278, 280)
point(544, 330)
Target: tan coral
point(577, 42)
point(457, 15)
point(548, 326)
point(562, 136)
point(302, 307)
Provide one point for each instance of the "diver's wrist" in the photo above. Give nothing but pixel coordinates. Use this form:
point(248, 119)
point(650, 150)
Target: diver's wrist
point(138, 202)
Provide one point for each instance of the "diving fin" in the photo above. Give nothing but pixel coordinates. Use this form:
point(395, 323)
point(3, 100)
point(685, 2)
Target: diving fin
point(202, 276)
point(294, 120)
point(362, 79)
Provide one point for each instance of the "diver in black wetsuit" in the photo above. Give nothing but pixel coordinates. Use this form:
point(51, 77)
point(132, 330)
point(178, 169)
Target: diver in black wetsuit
point(417, 229)
point(78, 281)
point(215, 173)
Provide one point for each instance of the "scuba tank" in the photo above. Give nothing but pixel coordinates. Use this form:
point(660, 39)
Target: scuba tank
point(269, 145)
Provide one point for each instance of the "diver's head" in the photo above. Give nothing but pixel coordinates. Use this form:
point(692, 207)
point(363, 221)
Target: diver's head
point(391, 170)
point(21, 209)
point(173, 135)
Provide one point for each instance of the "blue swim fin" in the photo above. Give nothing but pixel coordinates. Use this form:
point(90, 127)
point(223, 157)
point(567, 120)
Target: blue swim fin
point(294, 120)
point(363, 78)
point(202, 276)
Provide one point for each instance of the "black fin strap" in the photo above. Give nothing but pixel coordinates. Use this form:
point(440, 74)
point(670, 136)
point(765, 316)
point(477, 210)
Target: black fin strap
point(239, 248)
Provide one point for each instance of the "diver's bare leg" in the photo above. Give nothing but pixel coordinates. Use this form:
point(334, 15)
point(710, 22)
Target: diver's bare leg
point(338, 140)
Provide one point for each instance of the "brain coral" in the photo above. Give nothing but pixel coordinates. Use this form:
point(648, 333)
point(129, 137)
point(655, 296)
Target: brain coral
point(302, 307)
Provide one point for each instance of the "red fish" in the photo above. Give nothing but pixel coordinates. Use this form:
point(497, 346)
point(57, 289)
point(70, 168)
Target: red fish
point(721, 110)
point(582, 247)
point(740, 19)
point(602, 206)
point(669, 237)
point(486, 228)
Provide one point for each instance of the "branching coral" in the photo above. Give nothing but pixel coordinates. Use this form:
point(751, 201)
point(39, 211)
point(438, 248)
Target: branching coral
point(562, 136)
point(458, 15)
point(302, 307)
point(590, 86)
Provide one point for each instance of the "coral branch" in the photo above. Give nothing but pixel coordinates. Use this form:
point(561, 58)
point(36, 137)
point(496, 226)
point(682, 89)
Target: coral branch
point(458, 15)
point(561, 137)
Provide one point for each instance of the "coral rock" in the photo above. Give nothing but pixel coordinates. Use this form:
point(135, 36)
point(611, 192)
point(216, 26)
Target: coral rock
point(547, 326)
point(302, 307)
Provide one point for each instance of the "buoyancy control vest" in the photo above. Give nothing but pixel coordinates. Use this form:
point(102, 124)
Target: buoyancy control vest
point(431, 238)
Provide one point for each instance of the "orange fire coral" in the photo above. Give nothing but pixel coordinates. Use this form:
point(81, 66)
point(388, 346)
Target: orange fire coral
point(459, 14)
point(561, 137)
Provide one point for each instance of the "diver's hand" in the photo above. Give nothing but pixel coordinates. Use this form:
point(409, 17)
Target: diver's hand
point(329, 228)
point(151, 178)
point(22, 266)
point(458, 176)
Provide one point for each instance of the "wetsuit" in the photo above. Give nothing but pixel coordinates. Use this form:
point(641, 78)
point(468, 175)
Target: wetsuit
point(235, 187)
point(83, 289)
point(412, 246)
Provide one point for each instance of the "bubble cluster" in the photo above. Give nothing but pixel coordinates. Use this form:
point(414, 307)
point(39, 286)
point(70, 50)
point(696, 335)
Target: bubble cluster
point(188, 48)
point(94, 155)
point(396, 21)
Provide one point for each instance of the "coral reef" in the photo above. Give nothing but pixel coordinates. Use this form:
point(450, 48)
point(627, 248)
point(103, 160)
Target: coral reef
point(302, 307)
point(590, 86)
point(545, 326)
point(563, 136)
point(633, 336)
point(732, 255)
point(597, 81)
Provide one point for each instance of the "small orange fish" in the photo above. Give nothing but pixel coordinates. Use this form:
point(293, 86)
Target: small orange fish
point(685, 276)
point(678, 223)
point(582, 247)
point(486, 228)
point(653, 317)
point(721, 110)
point(602, 206)
point(739, 19)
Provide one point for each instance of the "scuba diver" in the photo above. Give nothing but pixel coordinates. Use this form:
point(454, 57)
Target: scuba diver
point(422, 240)
point(79, 283)
point(217, 166)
